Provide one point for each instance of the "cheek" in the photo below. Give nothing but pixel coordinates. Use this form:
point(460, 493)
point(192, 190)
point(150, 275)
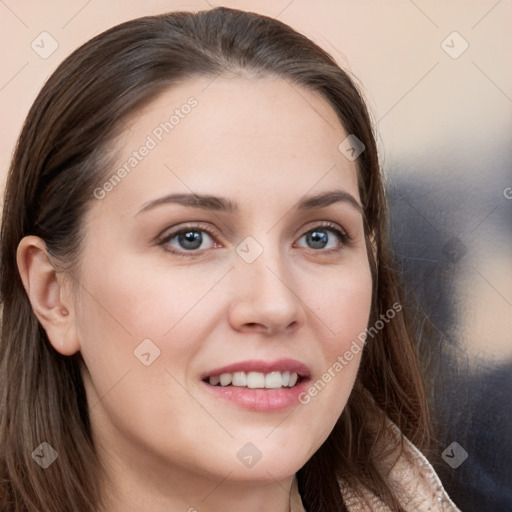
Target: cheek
point(343, 305)
point(135, 333)
point(144, 300)
point(127, 303)
point(340, 312)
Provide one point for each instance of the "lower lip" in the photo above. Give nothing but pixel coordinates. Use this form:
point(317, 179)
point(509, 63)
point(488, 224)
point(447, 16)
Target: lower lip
point(262, 400)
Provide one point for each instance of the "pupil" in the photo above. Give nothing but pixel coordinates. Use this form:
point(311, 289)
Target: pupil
point(191, 239)
point(317, 239)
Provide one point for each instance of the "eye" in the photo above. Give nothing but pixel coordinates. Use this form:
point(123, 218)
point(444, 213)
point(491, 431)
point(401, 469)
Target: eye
point(189, 239)
point(322, 237)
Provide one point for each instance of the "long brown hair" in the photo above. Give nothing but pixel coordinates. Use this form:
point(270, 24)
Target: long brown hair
point(59, 160)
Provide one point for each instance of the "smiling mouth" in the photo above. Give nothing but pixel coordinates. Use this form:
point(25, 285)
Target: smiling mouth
point(256, 380)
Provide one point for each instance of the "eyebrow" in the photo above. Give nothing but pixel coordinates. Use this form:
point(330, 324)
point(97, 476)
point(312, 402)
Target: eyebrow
point(204, 202)
point(325, 199)
point(222, 204)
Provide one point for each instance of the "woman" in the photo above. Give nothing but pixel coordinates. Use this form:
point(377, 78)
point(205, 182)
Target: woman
point(199, 307)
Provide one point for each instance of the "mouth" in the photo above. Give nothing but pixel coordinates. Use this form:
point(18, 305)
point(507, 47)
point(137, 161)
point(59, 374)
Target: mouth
point(259, 385)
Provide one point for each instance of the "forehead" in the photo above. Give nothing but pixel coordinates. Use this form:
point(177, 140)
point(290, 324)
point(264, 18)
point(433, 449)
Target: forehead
point(252, 138)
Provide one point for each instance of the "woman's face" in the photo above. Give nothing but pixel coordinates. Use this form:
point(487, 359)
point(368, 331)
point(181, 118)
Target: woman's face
point(233, 244)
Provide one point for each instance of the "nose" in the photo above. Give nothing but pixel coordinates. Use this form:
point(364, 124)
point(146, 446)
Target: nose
point(266, 297)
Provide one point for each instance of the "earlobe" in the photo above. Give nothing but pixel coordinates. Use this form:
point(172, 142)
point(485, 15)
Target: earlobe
point(48, 295)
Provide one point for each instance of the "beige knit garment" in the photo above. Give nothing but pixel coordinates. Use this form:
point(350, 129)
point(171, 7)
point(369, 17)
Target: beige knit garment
point(418, 488)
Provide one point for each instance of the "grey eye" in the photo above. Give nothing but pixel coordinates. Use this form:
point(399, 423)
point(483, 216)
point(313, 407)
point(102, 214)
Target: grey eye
point(319, 238)
point(190, 240)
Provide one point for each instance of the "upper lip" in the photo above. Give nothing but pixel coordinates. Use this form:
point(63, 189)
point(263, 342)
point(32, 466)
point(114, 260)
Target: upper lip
point(257, 365)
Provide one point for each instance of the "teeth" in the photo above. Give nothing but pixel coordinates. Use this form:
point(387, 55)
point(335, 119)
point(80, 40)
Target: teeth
point(239, 379)
point(225, 379)
point(273, 380)
point(255, 380)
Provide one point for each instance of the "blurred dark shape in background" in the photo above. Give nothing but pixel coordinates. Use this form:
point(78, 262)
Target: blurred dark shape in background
point(444, 225)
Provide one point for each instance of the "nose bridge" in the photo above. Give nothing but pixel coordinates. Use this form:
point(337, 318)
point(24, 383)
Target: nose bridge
point(267, 272)
point(267, 297)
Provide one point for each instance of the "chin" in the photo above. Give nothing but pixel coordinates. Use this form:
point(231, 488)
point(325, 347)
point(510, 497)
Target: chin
point(265, 465)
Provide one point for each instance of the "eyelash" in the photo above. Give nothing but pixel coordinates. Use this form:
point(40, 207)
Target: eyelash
point(345, 239)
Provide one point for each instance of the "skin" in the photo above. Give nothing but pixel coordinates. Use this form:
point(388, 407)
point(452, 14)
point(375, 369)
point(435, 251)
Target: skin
point(166, 443)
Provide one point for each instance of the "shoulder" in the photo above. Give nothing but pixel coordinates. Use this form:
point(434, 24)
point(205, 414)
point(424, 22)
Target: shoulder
point(416, 485)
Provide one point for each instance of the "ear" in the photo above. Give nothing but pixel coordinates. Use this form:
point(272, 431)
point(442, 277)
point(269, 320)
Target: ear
point(51, 300)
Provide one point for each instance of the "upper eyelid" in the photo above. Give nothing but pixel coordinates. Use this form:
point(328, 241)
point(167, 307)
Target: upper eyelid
point(326, 224)
point(171, 232)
